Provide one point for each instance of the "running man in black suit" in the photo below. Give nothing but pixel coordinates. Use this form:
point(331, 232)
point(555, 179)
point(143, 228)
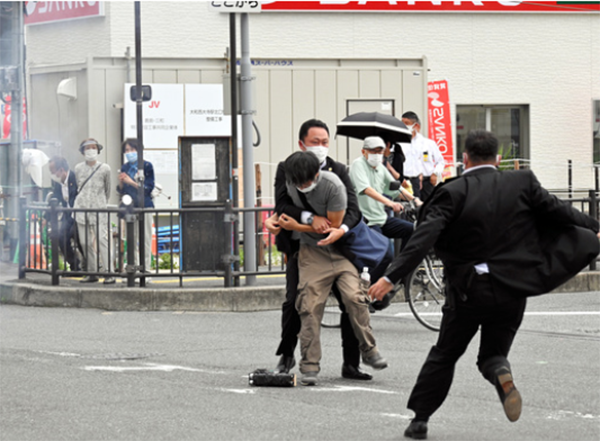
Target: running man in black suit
point(502, 238)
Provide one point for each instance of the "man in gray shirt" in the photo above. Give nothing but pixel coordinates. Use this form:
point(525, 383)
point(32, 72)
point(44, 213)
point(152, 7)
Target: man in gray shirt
point(320, 264)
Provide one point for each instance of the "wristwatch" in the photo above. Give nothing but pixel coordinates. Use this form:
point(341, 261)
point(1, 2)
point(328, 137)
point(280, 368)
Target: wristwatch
point(310, 219)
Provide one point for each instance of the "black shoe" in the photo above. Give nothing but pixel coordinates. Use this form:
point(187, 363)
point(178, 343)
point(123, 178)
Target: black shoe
point(286, 363)
point(354, 373)
point(416, 430)
point(508, 394)
point(89, 279)
point(378, 305)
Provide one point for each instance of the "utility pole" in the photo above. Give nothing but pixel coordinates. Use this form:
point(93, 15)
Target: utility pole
point(247, 148)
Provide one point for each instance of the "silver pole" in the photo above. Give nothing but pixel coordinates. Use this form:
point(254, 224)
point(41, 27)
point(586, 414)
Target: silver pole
point(16, 112)
point(247, 149)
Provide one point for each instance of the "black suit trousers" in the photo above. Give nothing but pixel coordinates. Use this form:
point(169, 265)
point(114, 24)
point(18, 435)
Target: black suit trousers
point(290, 320)
point(66, 233)
point(498, 320)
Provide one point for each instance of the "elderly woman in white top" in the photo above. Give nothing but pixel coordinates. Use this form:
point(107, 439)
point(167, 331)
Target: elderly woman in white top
point(93, 183)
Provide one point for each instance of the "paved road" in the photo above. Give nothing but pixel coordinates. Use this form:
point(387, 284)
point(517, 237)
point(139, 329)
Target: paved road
point(77, 374)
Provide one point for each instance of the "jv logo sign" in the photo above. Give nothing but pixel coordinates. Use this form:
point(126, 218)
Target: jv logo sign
point(154, 104)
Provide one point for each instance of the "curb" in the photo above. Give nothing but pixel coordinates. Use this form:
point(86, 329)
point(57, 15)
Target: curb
point(238, 299)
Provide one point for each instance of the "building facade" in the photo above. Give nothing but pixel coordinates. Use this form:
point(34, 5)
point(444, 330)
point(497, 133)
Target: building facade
point(531, 76)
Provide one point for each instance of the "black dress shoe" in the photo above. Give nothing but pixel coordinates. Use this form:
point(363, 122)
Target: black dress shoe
point(379, 305)
point(353, 373)
point(89, 279)
point(416, 430)
point(286, 363)
point(508, 394)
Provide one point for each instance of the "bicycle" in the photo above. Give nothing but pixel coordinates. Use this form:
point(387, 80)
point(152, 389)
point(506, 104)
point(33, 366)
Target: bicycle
point(424, 291)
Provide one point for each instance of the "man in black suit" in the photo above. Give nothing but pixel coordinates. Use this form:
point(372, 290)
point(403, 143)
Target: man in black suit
point(64, 189)
point(313, 137)
point(502, 237)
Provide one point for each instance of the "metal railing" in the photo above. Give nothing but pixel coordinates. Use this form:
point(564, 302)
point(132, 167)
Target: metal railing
point(39, 238)
point(39, 242)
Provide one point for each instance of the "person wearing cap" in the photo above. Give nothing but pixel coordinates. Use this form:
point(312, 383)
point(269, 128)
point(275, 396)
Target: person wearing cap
point(93, 182)
point(424, 163)
point(371, 181)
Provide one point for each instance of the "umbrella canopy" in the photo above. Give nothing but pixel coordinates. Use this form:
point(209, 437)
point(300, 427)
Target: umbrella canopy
point(363, 124)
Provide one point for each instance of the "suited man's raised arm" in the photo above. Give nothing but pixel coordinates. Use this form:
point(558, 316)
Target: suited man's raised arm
point(551, 208)
point(353, 213)
point(283, 201)
point(439, 211)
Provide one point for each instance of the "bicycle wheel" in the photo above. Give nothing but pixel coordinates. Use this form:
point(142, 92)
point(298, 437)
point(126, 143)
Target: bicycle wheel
point(332, 316)
point(424, 293)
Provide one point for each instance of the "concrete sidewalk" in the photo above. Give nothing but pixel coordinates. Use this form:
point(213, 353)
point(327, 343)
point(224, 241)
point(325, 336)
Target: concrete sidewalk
point(197, 294)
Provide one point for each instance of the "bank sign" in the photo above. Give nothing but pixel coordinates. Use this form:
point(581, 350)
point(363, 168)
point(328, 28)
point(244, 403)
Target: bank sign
point(53, 11)
point(427, 6)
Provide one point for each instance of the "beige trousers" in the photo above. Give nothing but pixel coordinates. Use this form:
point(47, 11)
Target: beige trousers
point(319, 268)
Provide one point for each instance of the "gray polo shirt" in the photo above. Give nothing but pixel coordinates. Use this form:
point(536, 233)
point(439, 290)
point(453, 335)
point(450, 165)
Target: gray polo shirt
point(328, 195)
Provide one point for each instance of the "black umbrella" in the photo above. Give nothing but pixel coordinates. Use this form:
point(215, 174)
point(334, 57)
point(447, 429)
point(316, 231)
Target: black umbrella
point(363, 124)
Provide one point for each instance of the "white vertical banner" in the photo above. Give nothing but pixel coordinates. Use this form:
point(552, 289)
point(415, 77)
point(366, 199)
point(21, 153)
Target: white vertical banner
point(163, 116)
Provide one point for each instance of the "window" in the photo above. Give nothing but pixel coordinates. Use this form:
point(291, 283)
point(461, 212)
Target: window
point(509, 123)
point(596, 132)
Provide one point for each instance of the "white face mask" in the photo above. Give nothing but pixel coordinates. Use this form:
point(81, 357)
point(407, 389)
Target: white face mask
point(311, 187)
point(56, 178)
point(374, 159)
point(319, 151)
point(411, 129)
point(91, 154)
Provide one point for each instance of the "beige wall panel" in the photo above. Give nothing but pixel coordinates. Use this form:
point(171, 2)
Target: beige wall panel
point(264, 152)
point(282, 133)
point(326, 104)
point(413, 90)
point(391, 87)
point(188, 77)
point(211, 77)
point(147, 76)
point(347, 87)
point(303, 100)
point(113, 95)
point(369, 82)
point(165, 76)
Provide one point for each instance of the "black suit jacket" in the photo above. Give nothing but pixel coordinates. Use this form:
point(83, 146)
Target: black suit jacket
point(57, 193)
point(531, 240)
point(57, 190)
point(285, 204)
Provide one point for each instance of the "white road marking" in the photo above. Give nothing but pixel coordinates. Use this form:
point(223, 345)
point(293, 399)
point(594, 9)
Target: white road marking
point(562, 414)
point(149, 367)
point(397, 415)
point(353, 389)
point(239, 391)
point(61, 354)
point(543, 313)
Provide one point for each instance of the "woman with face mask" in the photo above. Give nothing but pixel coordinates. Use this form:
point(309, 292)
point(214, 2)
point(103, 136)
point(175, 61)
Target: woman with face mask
point(93, 183)
point(129, 184)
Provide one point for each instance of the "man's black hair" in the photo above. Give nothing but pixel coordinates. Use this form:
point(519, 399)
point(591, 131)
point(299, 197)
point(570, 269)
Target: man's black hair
point(133, 142)
point(60, 163)
point(412, 116)
point(307, 125)
point(301, 167)
point(481, 146)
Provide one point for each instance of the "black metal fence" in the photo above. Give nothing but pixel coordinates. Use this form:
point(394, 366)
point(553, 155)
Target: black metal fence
point(40, 235)
point(42, 230)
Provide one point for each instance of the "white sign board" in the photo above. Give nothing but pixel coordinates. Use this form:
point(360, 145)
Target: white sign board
point(166, 173)
point(162, 116)
point(204, 111)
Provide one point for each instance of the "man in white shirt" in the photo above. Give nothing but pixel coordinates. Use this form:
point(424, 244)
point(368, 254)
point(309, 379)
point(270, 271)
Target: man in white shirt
point(424, 162)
